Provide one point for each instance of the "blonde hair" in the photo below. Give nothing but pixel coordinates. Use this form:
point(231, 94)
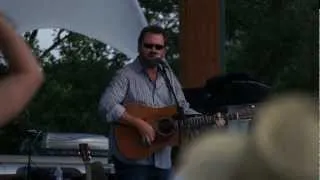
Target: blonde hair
point(282, 146)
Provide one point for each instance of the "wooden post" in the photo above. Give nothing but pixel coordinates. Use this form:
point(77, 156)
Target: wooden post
point(199, 41)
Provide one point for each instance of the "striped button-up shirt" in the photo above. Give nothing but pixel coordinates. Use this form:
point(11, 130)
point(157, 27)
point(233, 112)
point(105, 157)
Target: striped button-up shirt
point(132, 85)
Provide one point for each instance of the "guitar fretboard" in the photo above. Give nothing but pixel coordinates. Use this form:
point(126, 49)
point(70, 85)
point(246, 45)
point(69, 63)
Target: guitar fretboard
point(199, 121)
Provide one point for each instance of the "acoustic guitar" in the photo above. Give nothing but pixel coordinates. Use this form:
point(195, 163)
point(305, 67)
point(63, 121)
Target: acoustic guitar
point(167, 126)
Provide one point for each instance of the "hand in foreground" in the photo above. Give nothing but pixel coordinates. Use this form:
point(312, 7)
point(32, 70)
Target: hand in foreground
point(25, 76)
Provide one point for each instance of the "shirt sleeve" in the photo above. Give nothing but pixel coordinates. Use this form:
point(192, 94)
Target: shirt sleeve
point(110, 105)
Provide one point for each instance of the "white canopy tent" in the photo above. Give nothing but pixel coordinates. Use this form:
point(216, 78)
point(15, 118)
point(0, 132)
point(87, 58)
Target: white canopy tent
point(114, 22)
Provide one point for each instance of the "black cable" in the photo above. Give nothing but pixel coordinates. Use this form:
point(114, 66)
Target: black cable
point(180, 113)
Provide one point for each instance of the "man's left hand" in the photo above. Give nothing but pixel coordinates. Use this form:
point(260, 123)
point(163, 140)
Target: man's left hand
point(220, 122)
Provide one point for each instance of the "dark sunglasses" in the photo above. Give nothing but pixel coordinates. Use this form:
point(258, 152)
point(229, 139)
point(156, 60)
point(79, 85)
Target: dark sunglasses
point(156, 46)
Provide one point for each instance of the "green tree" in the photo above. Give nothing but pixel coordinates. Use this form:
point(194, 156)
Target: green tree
point(274, 40)
point(74, 82)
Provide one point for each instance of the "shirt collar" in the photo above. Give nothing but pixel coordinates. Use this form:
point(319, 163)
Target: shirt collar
point(137, 65)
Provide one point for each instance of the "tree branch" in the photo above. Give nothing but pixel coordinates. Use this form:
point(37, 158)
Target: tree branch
point(33, 36)
point(55, 44)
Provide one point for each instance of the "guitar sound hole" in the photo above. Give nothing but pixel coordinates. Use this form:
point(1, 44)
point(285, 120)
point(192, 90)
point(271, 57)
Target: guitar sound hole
point(166, 127)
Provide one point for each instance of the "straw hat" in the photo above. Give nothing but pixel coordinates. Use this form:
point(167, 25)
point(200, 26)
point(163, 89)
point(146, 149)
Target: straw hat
point(282, 146)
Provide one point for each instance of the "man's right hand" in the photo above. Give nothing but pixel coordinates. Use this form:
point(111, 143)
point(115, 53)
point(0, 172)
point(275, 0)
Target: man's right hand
point(146, 131)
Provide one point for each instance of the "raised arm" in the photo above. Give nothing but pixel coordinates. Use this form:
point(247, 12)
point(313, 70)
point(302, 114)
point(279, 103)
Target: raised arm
point(24, 77)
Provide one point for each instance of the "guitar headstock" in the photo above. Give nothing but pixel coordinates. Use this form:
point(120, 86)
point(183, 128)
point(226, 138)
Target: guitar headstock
point(85, 152)
point(241, 112)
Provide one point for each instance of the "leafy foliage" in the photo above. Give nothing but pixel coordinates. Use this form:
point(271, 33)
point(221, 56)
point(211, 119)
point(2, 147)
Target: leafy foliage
point(274, 40)
point(69, 99)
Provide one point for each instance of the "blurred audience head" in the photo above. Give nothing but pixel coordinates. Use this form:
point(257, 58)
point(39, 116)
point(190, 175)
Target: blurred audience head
point(282, 146)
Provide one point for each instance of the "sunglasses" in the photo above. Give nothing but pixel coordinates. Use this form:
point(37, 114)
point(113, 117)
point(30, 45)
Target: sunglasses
point(156, 46)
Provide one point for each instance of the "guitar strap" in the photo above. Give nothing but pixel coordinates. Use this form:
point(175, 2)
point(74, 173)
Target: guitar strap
point(180, 113)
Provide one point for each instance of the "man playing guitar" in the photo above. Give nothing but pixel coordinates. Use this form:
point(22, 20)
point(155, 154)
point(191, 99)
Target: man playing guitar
point(142, 82)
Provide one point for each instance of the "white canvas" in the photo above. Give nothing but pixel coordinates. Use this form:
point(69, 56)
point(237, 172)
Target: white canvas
point(114, 22)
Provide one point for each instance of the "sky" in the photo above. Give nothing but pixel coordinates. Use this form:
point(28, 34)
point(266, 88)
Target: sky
point(45, 40)
point(45, 37)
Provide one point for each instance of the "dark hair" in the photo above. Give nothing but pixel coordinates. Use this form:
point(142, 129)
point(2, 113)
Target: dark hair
point(154, 29)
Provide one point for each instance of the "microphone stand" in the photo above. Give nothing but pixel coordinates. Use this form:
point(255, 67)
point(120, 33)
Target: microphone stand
point(180, 113)
point(35, 134)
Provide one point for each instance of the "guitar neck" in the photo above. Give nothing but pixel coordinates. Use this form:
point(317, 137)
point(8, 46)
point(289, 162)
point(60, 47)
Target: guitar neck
point(196, 122)
point(207, 120)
